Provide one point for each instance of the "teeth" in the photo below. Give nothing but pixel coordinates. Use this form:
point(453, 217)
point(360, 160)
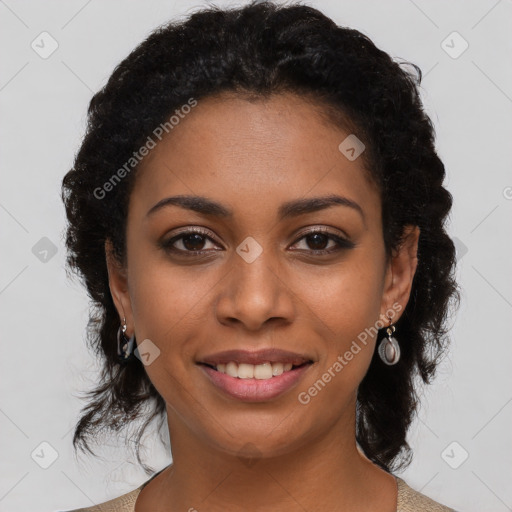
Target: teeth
point(277, 369)
point(246, 371)
point(262, 371)
point(232, 369)
point(250, 371)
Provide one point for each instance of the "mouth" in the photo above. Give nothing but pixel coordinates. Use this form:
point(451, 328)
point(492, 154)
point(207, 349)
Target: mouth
point(262, 364)
point(255, 376)
point(263, 371)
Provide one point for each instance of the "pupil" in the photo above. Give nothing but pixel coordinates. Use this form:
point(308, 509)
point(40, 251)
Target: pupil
point(319, 241)
point(197, 242)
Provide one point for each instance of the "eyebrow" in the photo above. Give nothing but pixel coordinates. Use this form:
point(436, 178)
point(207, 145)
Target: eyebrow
point(287, 210)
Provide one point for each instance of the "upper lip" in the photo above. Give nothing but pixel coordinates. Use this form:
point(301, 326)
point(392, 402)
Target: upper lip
point(268, 355)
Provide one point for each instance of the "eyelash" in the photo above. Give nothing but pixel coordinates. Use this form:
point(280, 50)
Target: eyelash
point(343, 243)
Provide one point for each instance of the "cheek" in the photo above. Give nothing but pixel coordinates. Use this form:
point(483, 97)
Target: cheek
point(347, 298)
point(165, 309)
point(164, 299)
point(346, 306)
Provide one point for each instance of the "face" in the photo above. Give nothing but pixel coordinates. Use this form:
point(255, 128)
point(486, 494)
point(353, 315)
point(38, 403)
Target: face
point(257, 268)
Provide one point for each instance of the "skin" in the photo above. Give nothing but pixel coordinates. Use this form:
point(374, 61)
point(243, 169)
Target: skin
point(252, 156)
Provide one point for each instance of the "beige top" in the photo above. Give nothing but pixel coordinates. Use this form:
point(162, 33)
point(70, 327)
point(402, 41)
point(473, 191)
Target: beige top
point(409, 500)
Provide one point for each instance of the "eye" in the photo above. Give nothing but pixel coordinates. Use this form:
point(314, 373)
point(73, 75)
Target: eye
point(318, 239)
point(189, 243)
point(194, 242)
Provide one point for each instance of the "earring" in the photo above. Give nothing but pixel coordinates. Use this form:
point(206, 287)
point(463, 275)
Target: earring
point(389, 350)
point(124, 345)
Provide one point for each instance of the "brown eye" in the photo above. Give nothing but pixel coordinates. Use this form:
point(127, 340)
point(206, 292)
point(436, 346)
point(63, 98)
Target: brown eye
point(317, 242)
point(193, 242)
point(188, 243)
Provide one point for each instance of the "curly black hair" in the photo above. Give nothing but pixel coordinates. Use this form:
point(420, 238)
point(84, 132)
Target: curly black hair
point(259, 50)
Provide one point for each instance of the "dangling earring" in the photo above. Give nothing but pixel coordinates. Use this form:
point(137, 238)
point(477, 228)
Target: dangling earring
point(389, 350)
point(124, 345)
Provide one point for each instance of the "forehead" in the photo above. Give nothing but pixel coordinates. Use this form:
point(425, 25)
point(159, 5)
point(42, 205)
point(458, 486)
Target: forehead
point(252, 152)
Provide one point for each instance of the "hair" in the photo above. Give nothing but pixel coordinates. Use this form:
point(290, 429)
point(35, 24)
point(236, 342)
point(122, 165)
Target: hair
point(261, 50)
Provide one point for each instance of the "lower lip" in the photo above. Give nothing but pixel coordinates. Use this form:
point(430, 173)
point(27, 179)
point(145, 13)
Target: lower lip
point(255, 390)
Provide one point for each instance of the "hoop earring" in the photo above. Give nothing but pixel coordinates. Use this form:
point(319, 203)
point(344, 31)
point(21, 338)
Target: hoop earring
point(389, 349)
point(124, 345)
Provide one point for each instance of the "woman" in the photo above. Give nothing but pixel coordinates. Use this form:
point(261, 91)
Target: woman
point(257, 211)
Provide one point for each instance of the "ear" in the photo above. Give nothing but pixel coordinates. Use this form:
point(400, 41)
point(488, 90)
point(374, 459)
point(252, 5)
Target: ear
point(119, 287)
point(400, 274)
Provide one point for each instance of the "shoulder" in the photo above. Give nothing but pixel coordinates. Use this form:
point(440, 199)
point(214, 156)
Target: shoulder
point(124, 503)
point(410, 500)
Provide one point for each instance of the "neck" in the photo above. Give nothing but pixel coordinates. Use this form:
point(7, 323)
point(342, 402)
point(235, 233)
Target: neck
point(326, 473)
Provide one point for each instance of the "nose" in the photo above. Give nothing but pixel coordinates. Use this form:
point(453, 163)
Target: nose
point(255, 294)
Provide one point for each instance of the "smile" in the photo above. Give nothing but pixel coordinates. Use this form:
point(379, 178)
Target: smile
point(263, 371)
point(254, 376)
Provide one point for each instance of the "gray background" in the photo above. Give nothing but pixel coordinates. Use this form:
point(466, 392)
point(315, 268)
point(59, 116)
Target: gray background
point(44, 363)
